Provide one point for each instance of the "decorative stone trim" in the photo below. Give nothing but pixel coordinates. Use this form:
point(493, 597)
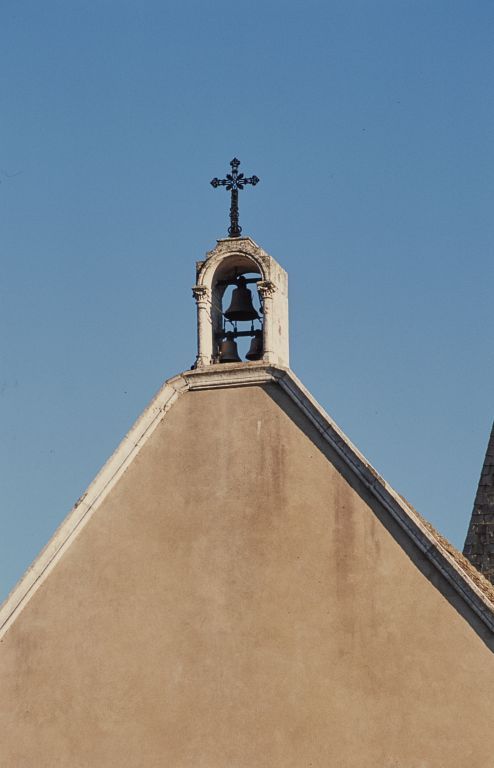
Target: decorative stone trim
point(266, 288)
point(200, 292)
point(225, 375)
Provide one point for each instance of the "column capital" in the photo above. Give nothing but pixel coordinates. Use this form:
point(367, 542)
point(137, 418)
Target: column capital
point(200, 292)
point(266, 288)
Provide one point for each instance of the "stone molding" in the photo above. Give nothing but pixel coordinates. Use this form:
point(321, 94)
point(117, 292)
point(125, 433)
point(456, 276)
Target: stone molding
point(266, 288)
point(243, 245)
point(200, 292)
point(226, 376)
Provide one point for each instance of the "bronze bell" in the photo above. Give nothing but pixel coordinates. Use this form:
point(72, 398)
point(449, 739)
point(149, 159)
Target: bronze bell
point(255, 350)
point(241, 306)
point(229, 350)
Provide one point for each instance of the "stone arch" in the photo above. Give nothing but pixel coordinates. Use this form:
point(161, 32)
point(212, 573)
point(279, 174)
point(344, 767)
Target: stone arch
point(229, 259)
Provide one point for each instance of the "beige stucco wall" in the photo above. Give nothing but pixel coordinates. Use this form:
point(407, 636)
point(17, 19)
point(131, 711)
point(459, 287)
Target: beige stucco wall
point(236, 603)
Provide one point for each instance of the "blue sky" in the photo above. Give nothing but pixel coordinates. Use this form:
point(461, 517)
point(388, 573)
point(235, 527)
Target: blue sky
point(370, 125)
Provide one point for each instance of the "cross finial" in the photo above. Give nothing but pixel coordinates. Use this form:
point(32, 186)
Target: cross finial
point(233, 182)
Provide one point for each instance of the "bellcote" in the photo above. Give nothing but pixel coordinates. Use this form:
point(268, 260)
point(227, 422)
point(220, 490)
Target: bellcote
point(240, 273)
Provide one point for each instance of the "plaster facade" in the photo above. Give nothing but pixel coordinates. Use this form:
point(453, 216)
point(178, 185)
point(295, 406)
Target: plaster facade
point(243, 595)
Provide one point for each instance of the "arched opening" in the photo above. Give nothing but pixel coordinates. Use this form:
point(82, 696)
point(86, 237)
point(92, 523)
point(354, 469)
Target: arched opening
point(236, 311)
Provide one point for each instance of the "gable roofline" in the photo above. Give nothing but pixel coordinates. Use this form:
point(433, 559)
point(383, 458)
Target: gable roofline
point(476, 591)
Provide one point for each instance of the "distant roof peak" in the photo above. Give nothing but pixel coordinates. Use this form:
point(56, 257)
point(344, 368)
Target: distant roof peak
point(479, 543)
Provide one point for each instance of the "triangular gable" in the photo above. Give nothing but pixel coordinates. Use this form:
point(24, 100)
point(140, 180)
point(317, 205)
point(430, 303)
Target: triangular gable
point(474, 590)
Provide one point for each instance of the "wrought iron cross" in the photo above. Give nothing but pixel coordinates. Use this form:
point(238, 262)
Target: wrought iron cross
point(233, 182)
